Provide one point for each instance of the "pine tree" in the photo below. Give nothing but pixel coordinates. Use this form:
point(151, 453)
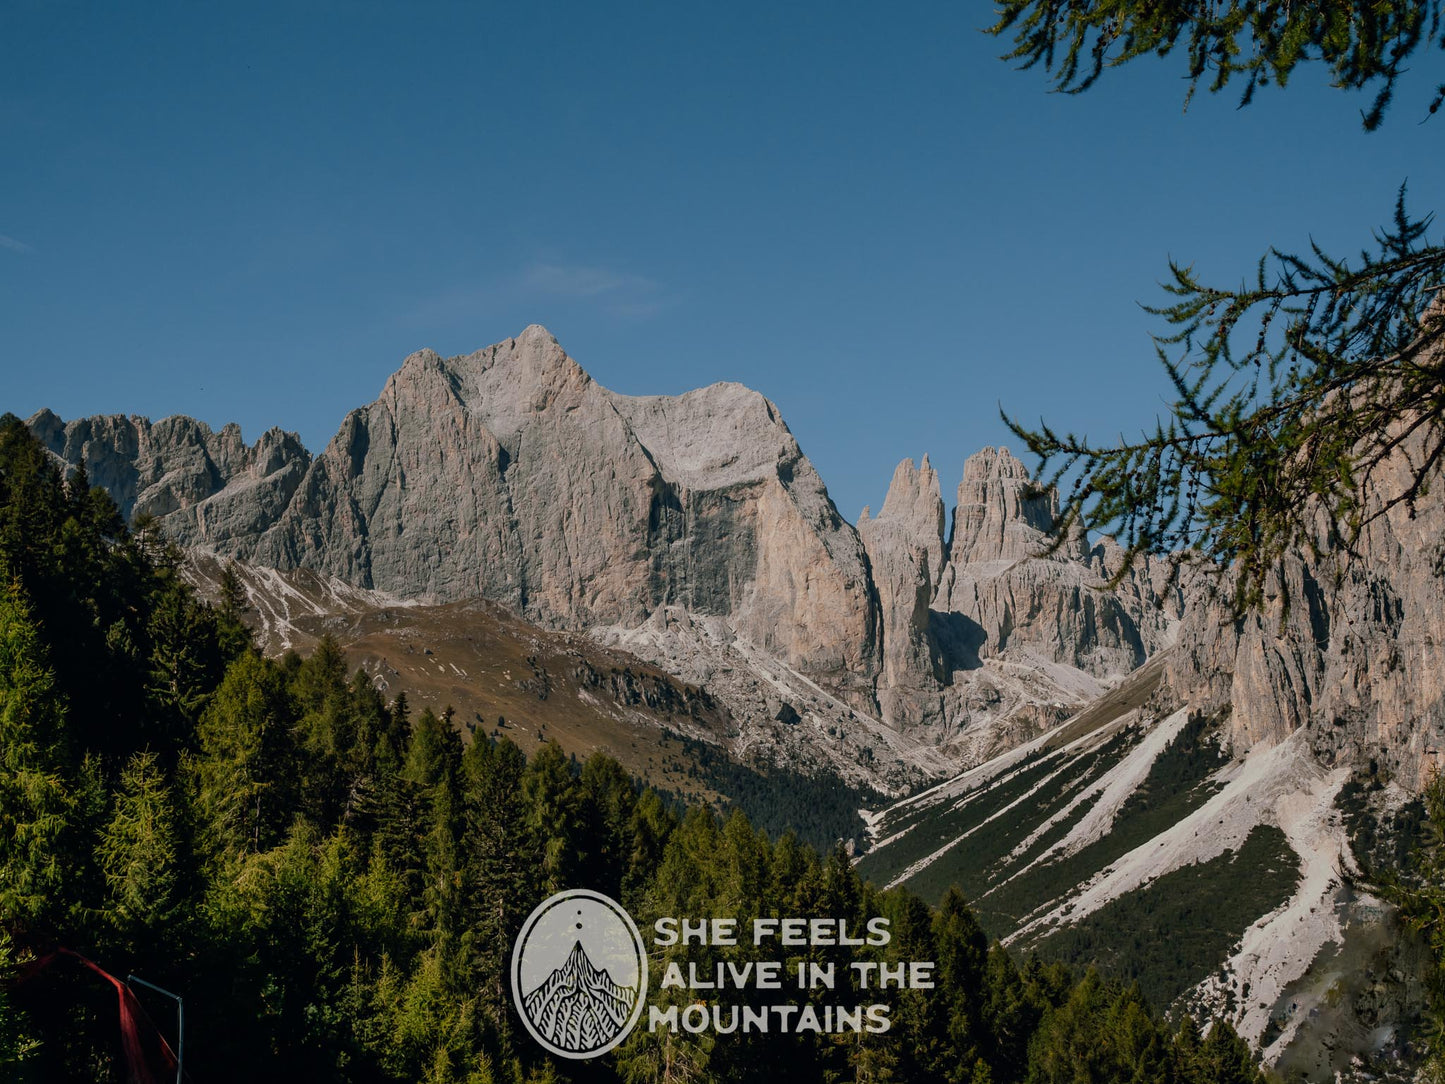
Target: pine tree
point(231, 610)
point(961, 963)
point(36, 805)
point(185, 661)
point(91, 589)
point(247, 767)
point(140, 851)
point(555, 813)
point(501, 856)
point(1223, 1058)
point(333, 759)
point(433, 766)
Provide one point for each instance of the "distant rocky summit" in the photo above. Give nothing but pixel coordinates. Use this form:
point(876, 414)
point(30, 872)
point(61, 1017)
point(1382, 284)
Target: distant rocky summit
point(693, 531)
point(510, 474)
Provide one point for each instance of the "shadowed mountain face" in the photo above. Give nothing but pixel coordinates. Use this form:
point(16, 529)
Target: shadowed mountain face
point(578, 1007)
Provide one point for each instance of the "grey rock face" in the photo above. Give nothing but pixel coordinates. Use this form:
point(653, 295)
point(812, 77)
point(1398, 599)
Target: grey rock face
point(905, 547)
point(512, 475)
point(1001, 592)
point(997, 517)
point(985, 638)
point(1351, 648)
point(171, 468)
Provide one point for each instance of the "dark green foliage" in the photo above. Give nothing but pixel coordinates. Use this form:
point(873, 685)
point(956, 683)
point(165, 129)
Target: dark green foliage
point(1293, 392)
point(988, 827)
point(1418, 890)
point(1383, 846)
point(1171, 934)
point(16, 1044)
point(246, 770)
point(1294, 389)
point(777, 799)
point(334, 885)
point(37, 804)
point(1362, 44)
point(140, 652)
point(993, 821)
point(1190, 758)
point(231, 614)
point(1177, 784)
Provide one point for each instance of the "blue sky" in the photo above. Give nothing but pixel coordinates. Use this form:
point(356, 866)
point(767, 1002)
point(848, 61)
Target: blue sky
point(253, 213)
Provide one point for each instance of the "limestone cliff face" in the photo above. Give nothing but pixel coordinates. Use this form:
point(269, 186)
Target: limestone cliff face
point(973, 624)
point(1350, 648)
point(998, 517)
point(511, 474)
point(905, 547)
point(169, 469)
point(1001, 592)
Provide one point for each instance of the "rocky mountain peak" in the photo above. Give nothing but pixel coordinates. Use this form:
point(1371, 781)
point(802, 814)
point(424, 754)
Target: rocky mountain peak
point(174, 465)
point(510, 474)
point(502, 386)
point(914, 504)
point(998, 517)
point(906, 553)
point(721, 435)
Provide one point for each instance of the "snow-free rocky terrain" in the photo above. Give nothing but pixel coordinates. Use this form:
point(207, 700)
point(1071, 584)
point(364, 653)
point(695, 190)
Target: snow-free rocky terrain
point(663, 576)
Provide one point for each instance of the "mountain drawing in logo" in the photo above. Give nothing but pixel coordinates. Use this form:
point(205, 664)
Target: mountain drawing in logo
point(579, 974)
point(578, 1006)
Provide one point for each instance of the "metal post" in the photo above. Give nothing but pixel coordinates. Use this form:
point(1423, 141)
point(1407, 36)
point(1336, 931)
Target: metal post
point(180, 1023)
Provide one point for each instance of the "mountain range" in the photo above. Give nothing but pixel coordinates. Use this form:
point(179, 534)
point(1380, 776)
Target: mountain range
point(499, 532)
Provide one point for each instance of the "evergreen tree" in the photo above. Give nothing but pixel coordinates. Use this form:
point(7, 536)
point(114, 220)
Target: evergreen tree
point(233, 634)
point(37, 806)
point(140, 851)
point(1012, 1010)
point(433, 766)
point(501, 855)
point(185, 659)
point(1222, 1058)
point(961, 957)
point(247, 766)
point(89, 586)
point(555, 815)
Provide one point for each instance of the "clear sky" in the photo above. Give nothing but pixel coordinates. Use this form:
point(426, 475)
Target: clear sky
point(253, 212)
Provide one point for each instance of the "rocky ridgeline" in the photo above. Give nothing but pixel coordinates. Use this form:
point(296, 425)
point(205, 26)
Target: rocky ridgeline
point(1349, 648)
point(987, 638)
point(510, 474)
